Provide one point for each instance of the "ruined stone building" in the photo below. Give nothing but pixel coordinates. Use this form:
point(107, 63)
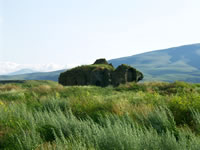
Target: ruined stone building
point(100, 74)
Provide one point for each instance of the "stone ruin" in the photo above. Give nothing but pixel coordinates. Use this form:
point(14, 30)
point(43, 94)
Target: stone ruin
point(101, 73)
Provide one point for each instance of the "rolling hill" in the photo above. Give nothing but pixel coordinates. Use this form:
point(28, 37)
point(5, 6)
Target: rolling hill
point(34, 76)
point(177, 63)
point(22, 71)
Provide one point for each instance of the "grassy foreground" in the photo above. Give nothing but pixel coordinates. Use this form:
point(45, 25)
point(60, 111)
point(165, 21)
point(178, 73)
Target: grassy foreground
point(146, 116)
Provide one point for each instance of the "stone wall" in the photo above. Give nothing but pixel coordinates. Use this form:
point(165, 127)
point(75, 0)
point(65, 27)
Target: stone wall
point(100, 74)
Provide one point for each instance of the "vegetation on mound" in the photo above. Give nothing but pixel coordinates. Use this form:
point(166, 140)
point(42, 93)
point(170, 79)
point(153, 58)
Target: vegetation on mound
point(100, 74)
point(46, 115)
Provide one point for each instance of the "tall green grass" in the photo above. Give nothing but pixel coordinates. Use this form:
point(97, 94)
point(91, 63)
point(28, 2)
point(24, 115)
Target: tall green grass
point(157, 116)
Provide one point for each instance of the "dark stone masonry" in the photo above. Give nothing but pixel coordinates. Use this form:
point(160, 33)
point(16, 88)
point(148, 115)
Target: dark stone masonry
point(100, 74)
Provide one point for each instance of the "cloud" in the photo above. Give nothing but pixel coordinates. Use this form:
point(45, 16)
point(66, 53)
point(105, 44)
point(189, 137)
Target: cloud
point(9, 67)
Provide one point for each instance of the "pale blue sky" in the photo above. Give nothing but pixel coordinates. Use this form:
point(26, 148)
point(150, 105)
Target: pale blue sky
point(79, 31)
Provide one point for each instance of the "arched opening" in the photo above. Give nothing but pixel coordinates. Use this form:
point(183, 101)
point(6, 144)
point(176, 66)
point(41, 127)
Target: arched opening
point(130, 75)
point(75, 82)
point(98, 83)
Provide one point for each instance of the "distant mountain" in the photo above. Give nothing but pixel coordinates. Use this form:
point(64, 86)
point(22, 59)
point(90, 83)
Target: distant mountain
point(22, 71)
point(178, 63)
point(34, 76)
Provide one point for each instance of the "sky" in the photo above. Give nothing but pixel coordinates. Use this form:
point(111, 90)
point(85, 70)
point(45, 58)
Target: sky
point(65, 33)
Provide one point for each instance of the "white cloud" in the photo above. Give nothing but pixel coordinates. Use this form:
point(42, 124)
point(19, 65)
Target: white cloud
point(9, 67)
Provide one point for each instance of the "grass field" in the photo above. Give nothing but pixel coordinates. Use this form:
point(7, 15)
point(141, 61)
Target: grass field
point(146, 116)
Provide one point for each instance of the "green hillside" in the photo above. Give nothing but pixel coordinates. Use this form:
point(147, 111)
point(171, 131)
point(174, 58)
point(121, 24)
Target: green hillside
point(43, 115)
point(34, 76)
point(178, 63)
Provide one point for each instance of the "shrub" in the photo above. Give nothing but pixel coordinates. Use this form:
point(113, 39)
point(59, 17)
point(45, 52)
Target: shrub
point(181, 107)
point(146, 116)
point(161, 119)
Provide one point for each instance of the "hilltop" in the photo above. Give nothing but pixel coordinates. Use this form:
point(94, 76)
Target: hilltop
point(22, 71)
point(177, 63)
